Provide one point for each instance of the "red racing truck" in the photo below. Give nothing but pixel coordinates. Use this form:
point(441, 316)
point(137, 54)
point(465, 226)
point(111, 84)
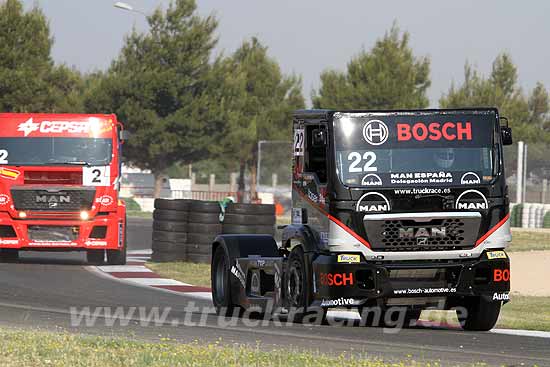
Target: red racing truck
point(59, 180)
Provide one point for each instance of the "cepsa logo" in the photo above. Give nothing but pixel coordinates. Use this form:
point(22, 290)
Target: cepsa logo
point(336, 279)
point(434, 131)
point(48, 127)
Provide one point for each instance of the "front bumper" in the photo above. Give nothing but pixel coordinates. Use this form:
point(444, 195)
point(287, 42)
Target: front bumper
point(99, 232)
point(353, 284)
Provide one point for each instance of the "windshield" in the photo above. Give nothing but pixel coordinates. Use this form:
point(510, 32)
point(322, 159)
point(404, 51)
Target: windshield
point(414, 149)
point(45, 151)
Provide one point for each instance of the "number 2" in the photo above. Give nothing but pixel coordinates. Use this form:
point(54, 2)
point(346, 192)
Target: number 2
point(355, 157)
point(97, 173)
point(3, 156)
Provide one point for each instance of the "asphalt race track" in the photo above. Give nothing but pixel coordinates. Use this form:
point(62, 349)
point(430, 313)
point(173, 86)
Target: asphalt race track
point(42, 289)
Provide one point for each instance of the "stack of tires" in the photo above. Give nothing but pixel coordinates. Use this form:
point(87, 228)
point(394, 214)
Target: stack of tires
point(202, 228)
point(169, 230)
point(249, 219)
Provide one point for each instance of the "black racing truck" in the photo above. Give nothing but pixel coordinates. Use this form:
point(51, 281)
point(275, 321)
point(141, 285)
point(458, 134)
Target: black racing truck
point(390, 209)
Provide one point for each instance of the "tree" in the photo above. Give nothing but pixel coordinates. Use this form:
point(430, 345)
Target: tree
point(159, 87)
point(501, 90)
point(29, 80)
point(387, 77)
point(265, 99)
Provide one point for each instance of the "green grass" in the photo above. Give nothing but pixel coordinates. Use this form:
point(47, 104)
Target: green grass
point(139, 214)
point(39, 348)
point(529, 239)
point(195, 274)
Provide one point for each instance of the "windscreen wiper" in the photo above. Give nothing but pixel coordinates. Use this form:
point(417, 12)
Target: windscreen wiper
point(72, 163)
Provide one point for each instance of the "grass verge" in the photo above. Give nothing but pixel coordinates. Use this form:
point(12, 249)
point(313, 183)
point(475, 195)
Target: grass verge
point(139, 214)
point(191, 273)
point(530, 239)
point(38, 348)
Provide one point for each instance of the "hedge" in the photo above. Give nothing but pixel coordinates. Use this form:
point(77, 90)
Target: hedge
point(132, 205)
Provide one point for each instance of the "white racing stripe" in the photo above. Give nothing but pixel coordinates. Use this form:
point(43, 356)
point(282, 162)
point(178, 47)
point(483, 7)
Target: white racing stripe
point(155, 281)
point(535, 333)
point(124, 268)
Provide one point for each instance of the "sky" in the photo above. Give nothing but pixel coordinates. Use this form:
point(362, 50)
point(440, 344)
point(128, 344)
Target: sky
point(309, 36)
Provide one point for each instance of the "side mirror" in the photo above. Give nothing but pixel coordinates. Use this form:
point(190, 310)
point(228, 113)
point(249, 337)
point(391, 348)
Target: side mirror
point(319, 138)
point(123, 135)
point(506, 134)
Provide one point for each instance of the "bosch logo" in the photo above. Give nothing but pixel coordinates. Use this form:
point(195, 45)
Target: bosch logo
point(375, 132)
point(470, 178)
point(372, 179)
point(434, 131)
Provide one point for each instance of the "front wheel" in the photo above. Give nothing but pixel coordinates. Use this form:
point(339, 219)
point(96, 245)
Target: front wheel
point(480, 315)
point(118, 257)
point(298, 287)
point(95, 257)
point(10, 254)
point(221, 284)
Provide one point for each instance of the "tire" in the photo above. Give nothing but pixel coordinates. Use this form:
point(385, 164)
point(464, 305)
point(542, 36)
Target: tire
point(95, 256)
point(199, 259)
point(169, 226)
point(162, 257)
point(118, 257)
point(197, 206)
point(250, 220)
point(199, 249)
point(200, 238)
point(204, 228)
point(481, 315)
point(170, 215)
point(161, 246)
point(221, 284)
point(206, 218)
point(250, 209)
point(9, 254)
point(167, 236)
point(172, 204)
point(242, 229)
point(297, 284)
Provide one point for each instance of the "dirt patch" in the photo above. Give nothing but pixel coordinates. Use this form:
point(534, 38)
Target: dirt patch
point(530, 271)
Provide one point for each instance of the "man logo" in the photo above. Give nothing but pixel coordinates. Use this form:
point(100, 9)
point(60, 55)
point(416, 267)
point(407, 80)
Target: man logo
point(422, 241)
point(470, 178)
point(375, 132)
point(372, 179)
point(372, 202)
point(470, 200)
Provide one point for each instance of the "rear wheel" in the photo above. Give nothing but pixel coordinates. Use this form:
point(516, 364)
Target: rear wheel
point(10, 254)
point(221, 284)
point(95, 256)
point(481, 315)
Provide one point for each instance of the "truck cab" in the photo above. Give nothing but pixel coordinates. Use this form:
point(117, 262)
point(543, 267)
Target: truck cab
point(59, 179)
point(398, 209)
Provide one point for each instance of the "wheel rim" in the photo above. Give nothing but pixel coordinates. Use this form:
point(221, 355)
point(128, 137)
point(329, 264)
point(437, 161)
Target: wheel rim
point(219, 280)
point(295, 284)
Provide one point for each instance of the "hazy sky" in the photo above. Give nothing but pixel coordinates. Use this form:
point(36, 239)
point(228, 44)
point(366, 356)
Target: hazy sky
point(308, 36)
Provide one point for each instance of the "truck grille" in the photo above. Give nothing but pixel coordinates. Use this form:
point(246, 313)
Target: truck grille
point(412, 233)
point(53, 199)
point(53, 233)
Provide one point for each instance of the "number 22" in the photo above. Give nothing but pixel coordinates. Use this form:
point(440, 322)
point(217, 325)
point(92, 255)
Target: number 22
point(355, 157)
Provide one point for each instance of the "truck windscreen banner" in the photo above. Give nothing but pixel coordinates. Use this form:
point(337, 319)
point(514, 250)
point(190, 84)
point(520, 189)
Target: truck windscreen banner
point(418, 149)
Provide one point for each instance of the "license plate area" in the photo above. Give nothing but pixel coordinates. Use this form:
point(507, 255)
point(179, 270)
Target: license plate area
point(53, 233)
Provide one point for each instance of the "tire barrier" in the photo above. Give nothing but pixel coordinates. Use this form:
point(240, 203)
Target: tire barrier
point(183, 230)
point(528, 215)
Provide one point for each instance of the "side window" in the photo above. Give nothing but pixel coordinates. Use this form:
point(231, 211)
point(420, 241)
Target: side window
point(316, 151)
